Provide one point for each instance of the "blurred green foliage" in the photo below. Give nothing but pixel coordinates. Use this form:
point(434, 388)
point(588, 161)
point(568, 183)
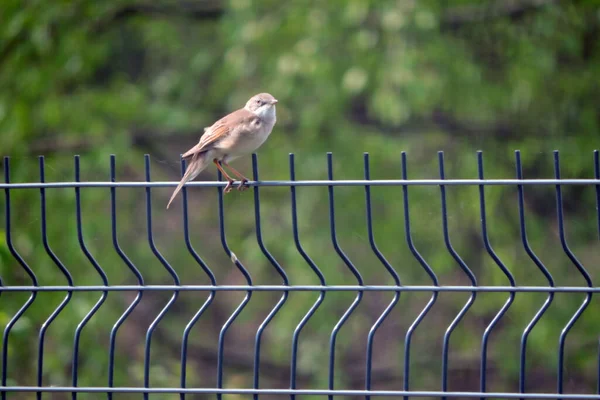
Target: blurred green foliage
point(379, 76)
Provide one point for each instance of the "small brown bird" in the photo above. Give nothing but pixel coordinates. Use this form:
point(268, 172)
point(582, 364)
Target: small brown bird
point(233, 136)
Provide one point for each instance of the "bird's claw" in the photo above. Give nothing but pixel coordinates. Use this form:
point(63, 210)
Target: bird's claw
point(228, 187)
point(243, 185)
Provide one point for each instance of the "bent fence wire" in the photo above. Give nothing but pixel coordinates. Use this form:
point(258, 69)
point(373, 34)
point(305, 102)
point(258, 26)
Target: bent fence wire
point(402, 387)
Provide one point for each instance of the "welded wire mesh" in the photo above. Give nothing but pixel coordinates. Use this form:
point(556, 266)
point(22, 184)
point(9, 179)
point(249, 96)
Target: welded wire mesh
point(31, 286)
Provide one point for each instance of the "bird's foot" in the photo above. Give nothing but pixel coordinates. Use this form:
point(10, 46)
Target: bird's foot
point(228, 187)
point(243, 185)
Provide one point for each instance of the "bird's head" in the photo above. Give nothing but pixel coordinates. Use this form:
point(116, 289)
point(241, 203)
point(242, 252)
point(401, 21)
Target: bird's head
point(263, 105)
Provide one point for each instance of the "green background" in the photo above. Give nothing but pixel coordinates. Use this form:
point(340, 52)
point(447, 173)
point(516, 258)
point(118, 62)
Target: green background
point(128, 78)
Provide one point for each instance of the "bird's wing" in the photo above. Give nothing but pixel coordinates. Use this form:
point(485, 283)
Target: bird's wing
point(219, 130)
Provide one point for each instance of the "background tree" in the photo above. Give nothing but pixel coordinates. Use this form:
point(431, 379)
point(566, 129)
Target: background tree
point(127, 78)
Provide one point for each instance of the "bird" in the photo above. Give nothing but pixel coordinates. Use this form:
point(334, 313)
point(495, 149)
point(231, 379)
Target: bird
point(236, 134)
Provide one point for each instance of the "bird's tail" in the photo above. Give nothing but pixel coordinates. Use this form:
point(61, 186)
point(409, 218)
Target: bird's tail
point(197, 164)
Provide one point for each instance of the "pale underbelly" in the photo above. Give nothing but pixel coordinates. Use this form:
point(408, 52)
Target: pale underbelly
point(241, 148)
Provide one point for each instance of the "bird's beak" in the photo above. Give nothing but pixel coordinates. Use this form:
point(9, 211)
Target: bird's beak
point(274, 101)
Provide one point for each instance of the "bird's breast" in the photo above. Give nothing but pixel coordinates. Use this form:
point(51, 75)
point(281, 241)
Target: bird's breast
point(247, 140)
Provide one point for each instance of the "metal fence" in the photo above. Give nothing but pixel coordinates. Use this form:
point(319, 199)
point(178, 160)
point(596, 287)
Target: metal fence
point(404, 388)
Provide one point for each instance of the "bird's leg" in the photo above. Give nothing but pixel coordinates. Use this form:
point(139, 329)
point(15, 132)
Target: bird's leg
point(243, 179)
point(229, 180)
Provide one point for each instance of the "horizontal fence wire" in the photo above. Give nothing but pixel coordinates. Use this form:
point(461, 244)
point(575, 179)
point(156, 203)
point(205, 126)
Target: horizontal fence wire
point(325, 182)
point(303, 392)
point(248, 288)
point(303, 288)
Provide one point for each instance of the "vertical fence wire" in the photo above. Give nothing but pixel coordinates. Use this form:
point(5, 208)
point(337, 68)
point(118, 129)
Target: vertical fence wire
point(98, 269)
point(314, 268)
point(464, 268)
point(167, 267)
point(409, 241)
point(63, 270)
point(247, 297)
point(501, 266)
point(351, 267)
point(213, 281)
point(525, 242)
point(389, 269)
point(28, 271)
point(279, 271)
point(140, 280)
point(597, 176)
point(586, 276)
